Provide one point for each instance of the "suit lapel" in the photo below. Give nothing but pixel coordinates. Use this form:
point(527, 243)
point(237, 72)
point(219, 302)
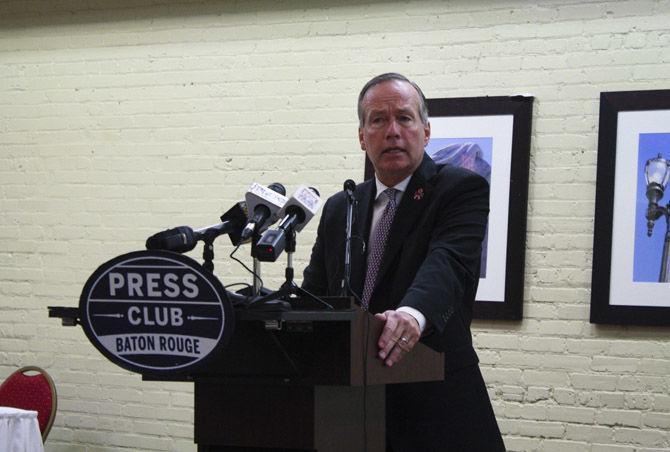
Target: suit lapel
point(365, 194)
point(414, 201)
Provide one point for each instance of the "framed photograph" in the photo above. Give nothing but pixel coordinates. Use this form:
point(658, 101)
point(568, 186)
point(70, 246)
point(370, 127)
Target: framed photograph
point(631, 275)
point(491, 136)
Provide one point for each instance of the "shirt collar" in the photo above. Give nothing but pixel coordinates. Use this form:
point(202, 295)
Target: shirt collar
point(400, 186)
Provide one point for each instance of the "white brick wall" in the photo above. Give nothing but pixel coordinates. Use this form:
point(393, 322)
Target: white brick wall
point(118, 119)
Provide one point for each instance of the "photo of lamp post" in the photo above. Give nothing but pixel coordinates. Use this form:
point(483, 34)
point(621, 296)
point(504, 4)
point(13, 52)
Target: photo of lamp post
point(630, 282)
point(657, 173)
point(652, 207)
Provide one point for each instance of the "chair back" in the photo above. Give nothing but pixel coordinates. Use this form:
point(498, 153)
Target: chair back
point(31, 388)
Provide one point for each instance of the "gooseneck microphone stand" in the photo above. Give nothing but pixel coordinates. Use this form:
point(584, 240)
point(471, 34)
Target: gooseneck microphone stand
point(351, 201)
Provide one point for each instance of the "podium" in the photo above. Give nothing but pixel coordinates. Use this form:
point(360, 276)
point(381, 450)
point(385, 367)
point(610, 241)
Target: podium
point(270, 376)
point(302, 380)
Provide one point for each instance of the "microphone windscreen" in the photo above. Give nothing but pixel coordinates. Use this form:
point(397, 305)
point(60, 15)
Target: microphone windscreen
point(179, 240)
point(237, 215)
point(279, 188)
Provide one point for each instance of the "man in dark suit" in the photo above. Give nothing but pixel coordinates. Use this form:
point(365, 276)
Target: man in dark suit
point(415, 264)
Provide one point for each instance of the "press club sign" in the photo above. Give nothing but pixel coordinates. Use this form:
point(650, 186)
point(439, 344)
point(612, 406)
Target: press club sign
point(155, 312)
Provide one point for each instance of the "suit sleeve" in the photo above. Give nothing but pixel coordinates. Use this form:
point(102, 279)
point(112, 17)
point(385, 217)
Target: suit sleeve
point(447, 279)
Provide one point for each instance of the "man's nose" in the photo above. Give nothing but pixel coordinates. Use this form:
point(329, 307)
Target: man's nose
point(393, 129)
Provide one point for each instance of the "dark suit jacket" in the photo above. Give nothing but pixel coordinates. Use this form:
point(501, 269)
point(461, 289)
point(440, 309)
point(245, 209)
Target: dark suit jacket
point(431, 264)
point(432, 259)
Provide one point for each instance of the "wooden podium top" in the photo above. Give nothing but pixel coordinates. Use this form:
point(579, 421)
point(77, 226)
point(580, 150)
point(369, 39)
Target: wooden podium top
point(305, 345)
point(420, 364)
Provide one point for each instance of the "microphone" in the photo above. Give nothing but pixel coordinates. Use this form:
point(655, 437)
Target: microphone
point(300, 208)
point(349, 187)
point(263, 203)
point(180, 240)
point(184, 238)
point(297, 212)
point(236, 216)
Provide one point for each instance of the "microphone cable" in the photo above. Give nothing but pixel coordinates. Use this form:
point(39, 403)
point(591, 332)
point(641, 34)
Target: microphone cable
point(245, 267)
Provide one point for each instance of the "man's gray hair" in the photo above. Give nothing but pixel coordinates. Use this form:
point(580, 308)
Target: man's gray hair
point(423, 109)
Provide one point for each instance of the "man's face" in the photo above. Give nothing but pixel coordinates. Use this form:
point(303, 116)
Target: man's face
point(392, 134)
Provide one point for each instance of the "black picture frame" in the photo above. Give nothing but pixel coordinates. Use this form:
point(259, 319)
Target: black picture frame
point(618, 293)
point(514, 113)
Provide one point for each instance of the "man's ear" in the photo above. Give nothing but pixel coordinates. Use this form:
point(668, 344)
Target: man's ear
point(426, 131)
point(361, 140)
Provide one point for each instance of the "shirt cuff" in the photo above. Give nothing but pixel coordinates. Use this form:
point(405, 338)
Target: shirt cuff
point(420, 318)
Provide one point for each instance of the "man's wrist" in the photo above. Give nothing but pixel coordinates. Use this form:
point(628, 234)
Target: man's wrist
point(418, 316)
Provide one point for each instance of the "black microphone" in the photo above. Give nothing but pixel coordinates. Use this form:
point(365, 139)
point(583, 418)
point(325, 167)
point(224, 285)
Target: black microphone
point(180, 240)
point(263, 204)
point(349, 187)
point(184, 238)
point(235, 217)
point(298, 210)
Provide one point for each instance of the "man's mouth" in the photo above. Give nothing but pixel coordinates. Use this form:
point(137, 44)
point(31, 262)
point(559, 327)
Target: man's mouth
point(393, 150)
